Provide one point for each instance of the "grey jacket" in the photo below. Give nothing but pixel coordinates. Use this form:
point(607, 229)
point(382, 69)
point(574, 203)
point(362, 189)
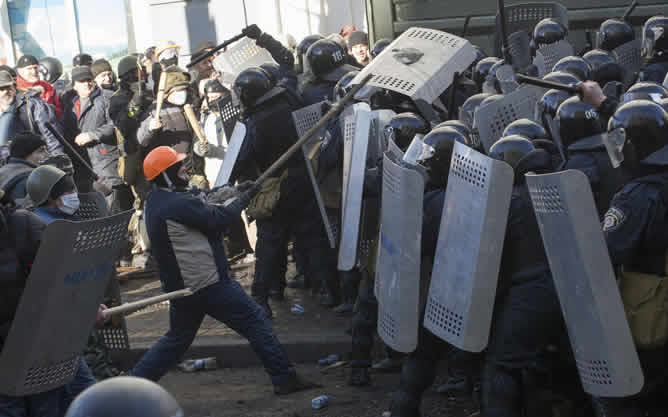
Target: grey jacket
point(93, 118)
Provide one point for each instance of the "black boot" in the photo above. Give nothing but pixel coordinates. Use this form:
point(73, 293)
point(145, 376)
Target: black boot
point(359, 377)
point(416, 376)
point(295, 384)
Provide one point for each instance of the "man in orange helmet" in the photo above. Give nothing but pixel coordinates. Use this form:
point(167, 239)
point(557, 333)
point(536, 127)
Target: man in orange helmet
point(185, 234)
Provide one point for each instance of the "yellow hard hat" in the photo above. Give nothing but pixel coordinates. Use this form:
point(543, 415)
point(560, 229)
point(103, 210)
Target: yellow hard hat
point(163, 46)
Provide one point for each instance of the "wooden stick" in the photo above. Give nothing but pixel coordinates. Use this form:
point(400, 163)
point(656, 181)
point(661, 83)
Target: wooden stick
point(128, 308)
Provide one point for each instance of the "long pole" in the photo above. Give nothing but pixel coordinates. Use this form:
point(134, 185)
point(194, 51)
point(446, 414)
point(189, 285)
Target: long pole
point(128, 308)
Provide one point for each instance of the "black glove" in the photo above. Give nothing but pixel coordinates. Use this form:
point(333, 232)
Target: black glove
point(252, 31)
point(245, 186)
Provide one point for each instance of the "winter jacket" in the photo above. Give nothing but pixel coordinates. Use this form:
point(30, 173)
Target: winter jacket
point(185, 234)
point(93, 118)
point(30, 114)
point(51, 214)
point(20, 236)
point(174, 121)
point(47, 93)
point(13, 178)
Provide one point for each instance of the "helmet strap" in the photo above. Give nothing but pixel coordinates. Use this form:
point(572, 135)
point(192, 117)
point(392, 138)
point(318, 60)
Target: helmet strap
point(169, 182)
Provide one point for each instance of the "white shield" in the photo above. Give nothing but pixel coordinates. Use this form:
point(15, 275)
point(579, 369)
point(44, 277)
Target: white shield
point(233, 149)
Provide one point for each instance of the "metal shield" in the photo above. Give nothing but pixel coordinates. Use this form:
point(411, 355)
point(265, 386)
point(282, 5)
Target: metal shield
point(520, 53)
point(598, 330)
point(629, 57)
point(548, 55)
point(468, 253)
point(238, 57)
point(67, 282)
point(399, 256)
point(665, 82)
point(115, 332)
point(233, 149)
point(491, 119)
point(506, 76)
point(305, 118)
point(420, 63)
point(354, 188)
point(229, 113)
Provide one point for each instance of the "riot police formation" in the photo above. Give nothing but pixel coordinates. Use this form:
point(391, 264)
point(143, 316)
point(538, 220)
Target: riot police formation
point(506, 217)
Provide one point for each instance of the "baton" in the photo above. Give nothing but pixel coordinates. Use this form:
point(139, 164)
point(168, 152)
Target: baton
point(504, 35)
point(452, 100)
point(548, 84)
point(214, 50)
point(74, 152)
point(630, 10)
point(334, 111)
point(127, 308)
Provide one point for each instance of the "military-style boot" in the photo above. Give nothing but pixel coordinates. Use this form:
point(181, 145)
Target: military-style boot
point(416, 376)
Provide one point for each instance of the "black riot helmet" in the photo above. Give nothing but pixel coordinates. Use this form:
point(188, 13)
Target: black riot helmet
point(383, 99)
point(403, 127)
point(645, 90)
point(655, 37)
point(561, 77)
point(301, 49)
point(548, 104)
point(574, 65)
point(125, 396)
point(442, 140)
point(491, 99)
point(379, 46)
point(50, 69)
point(82, 60)
point(604, 67)
point(467, 110)
point(479, 56)
point(614, 33)
point(273, 69)
point(491, 84)
point(547, 32)
point(326, 60)
point(522, 155)
point(645, 125)
point(577, 120)
point(344, 85)
point(482, 68)
point(527, 128)
point(250, 85)
point(214, 86)
point(458, 125)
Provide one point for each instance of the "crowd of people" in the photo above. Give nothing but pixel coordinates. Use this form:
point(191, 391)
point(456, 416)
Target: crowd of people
point(153, 137)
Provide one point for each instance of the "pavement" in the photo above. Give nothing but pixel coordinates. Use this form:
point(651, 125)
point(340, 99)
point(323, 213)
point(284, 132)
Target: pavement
point(307, 338)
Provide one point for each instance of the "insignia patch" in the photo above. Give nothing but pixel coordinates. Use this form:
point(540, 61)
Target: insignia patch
point(613, 219)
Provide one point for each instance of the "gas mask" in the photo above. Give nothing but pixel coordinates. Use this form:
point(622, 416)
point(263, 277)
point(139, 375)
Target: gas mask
point(178, 98)
point(70, 203)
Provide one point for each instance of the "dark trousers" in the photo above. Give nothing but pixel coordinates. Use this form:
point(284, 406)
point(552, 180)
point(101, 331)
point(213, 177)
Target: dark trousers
point(226, 302)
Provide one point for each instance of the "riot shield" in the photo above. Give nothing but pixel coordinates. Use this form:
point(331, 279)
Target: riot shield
point(629, 57)
point(305, 118)
point(114, 333)
point(598, 330)
point(59, 304)
point(491, 119)
point(468, 253)
point(420, 64)
point(229, 113)
point(233, 149)
point(613, 89)
point(355, 153)
point(399, 256)
point(238, 57)
point(665, 82)
point(524, 16)
point(518, 46)
point(548, 55)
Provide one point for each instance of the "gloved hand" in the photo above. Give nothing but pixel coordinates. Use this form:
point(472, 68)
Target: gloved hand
point(201, 148)
point(252, 31)
point(245, 186)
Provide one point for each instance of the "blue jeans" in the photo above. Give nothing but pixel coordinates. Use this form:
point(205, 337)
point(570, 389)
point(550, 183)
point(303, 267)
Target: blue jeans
point(228, 303)
point(82, 380)
point(45, 404)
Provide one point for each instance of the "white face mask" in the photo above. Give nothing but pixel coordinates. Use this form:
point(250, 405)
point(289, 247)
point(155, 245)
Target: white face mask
point(70, 203)
point(178, 98)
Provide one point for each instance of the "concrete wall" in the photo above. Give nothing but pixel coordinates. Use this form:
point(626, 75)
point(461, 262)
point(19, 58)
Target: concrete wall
point(192, 21)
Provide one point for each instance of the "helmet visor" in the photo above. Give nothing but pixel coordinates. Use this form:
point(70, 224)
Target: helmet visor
point(418, 151)
point(614, 144)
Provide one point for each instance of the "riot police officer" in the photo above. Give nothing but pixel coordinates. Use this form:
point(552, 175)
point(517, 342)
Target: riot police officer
point(326, 61)
point(655, 50)
point(286, 205)
point(614, 33)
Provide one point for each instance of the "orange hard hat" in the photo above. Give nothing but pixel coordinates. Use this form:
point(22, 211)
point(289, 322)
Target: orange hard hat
point(159, 159)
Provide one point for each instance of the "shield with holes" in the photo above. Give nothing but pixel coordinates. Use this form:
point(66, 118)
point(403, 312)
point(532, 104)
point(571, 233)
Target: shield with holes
point(238, 57)
point(356, 145)
point(67, 281)
point(420, 64)
point(233, 150)
point(629, 57)
point(229, 113)
point(518, 47)
point(468, 252)
point(399, 255)
point(592, 307)
point(114, 333)
point(305, 118)
point(548, 55)
point(524, 16)
point(491, 119)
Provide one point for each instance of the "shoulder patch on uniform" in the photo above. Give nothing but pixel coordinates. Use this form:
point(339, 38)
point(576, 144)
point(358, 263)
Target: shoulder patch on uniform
point(614, 217)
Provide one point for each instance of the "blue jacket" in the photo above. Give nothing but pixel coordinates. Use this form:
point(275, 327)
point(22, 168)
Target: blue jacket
point(185, 234)
point(49, 215)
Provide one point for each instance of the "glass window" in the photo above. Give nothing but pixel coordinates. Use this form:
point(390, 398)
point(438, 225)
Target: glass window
point(103, 29)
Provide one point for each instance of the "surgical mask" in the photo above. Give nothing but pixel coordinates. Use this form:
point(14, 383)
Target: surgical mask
point(178, 98)
point(70, 203)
